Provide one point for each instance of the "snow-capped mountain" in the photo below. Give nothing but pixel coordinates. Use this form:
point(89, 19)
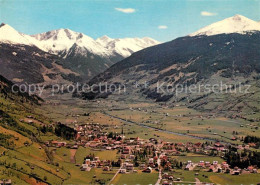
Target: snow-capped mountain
point(235, 24)
point(125, 47)
point(62, 40)
point(76, 51)
point(9, 35)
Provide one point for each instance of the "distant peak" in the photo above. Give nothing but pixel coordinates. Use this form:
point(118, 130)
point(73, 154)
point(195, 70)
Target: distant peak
point(66, 30)
point(149, 39)
point(235, 24)
point(237, 16)
point(9, 35)
point(105, 37)
point(2, 24)
point(8, 29)
point(6, 26)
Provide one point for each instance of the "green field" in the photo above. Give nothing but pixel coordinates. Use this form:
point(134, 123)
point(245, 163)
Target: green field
point(245, 179)
point(177, 119)
point(136, 178)
point(103, 155)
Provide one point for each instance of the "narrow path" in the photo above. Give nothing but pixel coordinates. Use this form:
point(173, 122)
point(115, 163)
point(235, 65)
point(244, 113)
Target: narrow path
point(198, 181)
point(115, 175)
point(72, 155)
point(160, 170)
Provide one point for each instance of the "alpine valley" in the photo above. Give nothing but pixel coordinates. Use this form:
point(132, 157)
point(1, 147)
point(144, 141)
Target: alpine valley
point(223, 52)
point(148, 132)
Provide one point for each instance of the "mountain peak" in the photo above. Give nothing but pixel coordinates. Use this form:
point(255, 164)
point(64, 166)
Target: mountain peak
point(9, 35)
point(150, 40)
point(235, 24)
point(63, 39)
point(62, 33)
point(6, 27)
point(238, 17)
point(104, 40)
point(2, 24)
point(105, 37)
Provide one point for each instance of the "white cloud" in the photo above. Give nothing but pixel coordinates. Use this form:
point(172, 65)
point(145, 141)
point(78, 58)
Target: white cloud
point(162, 27)
point(125, 10)
point(205, 13)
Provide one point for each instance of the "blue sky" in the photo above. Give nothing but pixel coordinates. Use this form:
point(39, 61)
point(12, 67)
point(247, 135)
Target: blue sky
point(163, 20)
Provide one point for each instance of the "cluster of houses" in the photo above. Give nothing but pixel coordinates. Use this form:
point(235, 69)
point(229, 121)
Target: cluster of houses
point(169, 178)
point(5, 182)
point(145, 155)
point(217, 167)
point(96, 163)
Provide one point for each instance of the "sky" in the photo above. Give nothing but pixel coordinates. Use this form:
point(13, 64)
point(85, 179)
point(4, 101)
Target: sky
point(163, 20)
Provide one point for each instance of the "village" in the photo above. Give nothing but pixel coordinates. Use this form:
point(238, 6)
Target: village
point(151, 155)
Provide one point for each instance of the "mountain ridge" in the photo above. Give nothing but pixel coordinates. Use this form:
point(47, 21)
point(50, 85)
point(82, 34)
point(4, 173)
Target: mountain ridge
point(186, 61)
point(78, 52)
point(56, 41)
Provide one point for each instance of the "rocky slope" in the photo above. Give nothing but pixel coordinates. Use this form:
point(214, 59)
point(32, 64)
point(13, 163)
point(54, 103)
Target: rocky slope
point(29, 64)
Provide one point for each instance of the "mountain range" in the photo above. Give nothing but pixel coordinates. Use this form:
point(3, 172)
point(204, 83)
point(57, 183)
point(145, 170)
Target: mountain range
point(64, 55)
point(211, 55)
point(81, 54)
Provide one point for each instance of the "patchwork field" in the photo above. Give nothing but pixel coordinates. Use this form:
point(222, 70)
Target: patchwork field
point(246, 179)
point(134, 116)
